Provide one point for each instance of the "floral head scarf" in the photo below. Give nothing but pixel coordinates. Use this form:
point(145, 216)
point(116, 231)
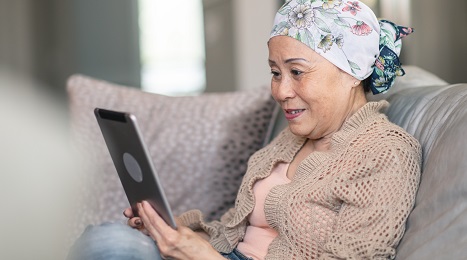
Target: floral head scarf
point(347, 34)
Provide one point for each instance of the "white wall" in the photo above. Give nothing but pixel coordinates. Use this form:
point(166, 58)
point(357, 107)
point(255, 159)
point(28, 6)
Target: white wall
point(220, 47)
point(236, 36)
point(52, 39)
point(16, 48)
point(252, 26)
point(107, 39)
point(440, 38)
point(397, 11)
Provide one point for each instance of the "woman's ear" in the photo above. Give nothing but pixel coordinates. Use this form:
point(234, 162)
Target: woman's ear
point(356, 82)
point(349, 80)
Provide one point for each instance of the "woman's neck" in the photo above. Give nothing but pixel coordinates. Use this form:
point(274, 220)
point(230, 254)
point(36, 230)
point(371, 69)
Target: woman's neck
point(324, 144)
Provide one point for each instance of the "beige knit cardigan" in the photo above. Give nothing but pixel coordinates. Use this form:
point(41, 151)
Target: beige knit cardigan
point(349, 203)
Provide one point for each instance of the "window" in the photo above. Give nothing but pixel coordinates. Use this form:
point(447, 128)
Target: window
point(172, 47)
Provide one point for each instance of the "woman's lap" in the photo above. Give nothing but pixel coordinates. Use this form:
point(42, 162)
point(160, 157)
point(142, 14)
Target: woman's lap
point(113, 241)
point(118, 241)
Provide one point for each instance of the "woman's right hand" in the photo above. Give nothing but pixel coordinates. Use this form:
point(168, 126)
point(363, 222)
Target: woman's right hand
point(137, 223)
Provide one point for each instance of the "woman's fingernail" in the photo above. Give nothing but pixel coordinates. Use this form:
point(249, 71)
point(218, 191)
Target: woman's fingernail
point(138, 222)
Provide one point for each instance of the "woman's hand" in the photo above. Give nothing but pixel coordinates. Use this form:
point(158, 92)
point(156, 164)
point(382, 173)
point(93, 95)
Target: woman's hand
point(134, 222)
point(182, 243)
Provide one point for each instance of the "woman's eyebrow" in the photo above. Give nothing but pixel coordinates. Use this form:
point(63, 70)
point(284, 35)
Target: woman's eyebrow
point(295, 59)
point(271, 62)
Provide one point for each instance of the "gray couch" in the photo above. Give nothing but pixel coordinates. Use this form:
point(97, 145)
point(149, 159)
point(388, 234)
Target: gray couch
point(204, 172)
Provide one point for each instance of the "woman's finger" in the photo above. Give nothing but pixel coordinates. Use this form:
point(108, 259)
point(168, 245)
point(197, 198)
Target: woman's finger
point(156, 219)
point(128, 212)
point(164, 235)
point(135, 222)
point(152, 230)
point(145, 231)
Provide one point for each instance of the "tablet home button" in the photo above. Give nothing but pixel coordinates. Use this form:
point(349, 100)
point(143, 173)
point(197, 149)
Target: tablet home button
point(132, 167)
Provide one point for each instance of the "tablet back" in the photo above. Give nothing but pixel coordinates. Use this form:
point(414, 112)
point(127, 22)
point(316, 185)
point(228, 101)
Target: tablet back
point(132, 161)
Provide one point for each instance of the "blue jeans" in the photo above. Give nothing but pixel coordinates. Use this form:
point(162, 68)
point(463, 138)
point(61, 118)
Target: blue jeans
point(113, 241)
point(236, 255)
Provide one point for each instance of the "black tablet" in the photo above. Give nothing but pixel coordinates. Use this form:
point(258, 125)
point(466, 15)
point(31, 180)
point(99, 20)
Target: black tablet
point(133, 162)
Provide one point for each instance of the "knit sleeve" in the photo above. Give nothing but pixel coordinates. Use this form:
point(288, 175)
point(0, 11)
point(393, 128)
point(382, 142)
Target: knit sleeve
point(377, 196)
point(193, 219)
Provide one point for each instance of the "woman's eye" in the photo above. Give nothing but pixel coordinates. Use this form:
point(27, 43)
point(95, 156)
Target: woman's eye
point(275, 73)
point(296, 72)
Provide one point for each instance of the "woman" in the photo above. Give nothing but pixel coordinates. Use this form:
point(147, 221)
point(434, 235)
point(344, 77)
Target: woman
point(340, 181)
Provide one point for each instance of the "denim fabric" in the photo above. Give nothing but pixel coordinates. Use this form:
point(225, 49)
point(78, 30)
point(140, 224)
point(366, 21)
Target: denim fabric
point(236, 255)
point(121, 242)
point(113, 241)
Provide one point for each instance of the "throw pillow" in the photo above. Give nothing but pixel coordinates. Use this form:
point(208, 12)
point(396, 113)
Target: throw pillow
point(199, 144)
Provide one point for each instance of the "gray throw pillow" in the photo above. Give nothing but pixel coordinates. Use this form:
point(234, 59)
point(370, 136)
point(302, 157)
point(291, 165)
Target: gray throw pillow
point(200, 145)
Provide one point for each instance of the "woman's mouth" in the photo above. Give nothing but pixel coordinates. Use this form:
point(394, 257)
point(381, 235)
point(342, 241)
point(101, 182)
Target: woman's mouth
point(293, 113)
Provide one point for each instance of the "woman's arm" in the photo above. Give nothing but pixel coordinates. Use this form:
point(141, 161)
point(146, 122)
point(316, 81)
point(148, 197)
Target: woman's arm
point(377, 199)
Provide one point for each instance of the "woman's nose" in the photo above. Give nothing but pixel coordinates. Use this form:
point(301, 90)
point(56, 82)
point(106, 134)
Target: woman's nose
point(283, 90)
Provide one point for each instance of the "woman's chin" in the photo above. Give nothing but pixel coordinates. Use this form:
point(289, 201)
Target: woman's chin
point(298, 131)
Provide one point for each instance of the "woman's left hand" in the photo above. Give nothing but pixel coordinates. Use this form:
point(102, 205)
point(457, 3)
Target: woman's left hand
point(182, 243)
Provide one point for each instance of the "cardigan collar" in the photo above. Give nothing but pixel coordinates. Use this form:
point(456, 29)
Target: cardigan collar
point(357, 120)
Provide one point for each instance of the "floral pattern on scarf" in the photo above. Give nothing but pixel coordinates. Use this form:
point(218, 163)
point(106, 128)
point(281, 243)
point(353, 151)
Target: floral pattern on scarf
point(388, 65)
point(347, 34)
point(304, 17)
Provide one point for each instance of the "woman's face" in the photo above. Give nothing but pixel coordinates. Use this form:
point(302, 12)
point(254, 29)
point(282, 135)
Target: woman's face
point(315, 95)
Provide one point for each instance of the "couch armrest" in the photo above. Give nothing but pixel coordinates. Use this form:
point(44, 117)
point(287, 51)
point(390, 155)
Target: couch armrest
point(437, 117)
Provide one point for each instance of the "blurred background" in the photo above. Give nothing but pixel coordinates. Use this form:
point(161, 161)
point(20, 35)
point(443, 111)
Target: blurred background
point(178, 47)
point(189, 46)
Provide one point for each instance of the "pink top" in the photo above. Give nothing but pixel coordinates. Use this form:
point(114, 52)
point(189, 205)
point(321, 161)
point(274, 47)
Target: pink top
point(258, 234)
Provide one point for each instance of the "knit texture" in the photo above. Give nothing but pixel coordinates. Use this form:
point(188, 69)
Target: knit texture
point(349, 203)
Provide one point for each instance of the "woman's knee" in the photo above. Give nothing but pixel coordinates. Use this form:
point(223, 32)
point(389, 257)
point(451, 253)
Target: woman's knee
point(113, 241)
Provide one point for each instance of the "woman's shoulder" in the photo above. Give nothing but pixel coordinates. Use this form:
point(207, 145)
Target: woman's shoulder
point(369, 129)
point(382, 133)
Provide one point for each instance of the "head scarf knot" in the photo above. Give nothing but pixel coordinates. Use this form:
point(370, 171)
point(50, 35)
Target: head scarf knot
point(387, 65)
point(348, 34)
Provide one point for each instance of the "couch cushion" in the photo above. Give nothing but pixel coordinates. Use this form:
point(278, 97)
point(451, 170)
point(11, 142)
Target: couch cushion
point(437, 117)
point(200, 145)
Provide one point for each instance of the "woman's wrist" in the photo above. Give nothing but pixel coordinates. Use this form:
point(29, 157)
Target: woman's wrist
point(202, 234)
point(206, 251)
